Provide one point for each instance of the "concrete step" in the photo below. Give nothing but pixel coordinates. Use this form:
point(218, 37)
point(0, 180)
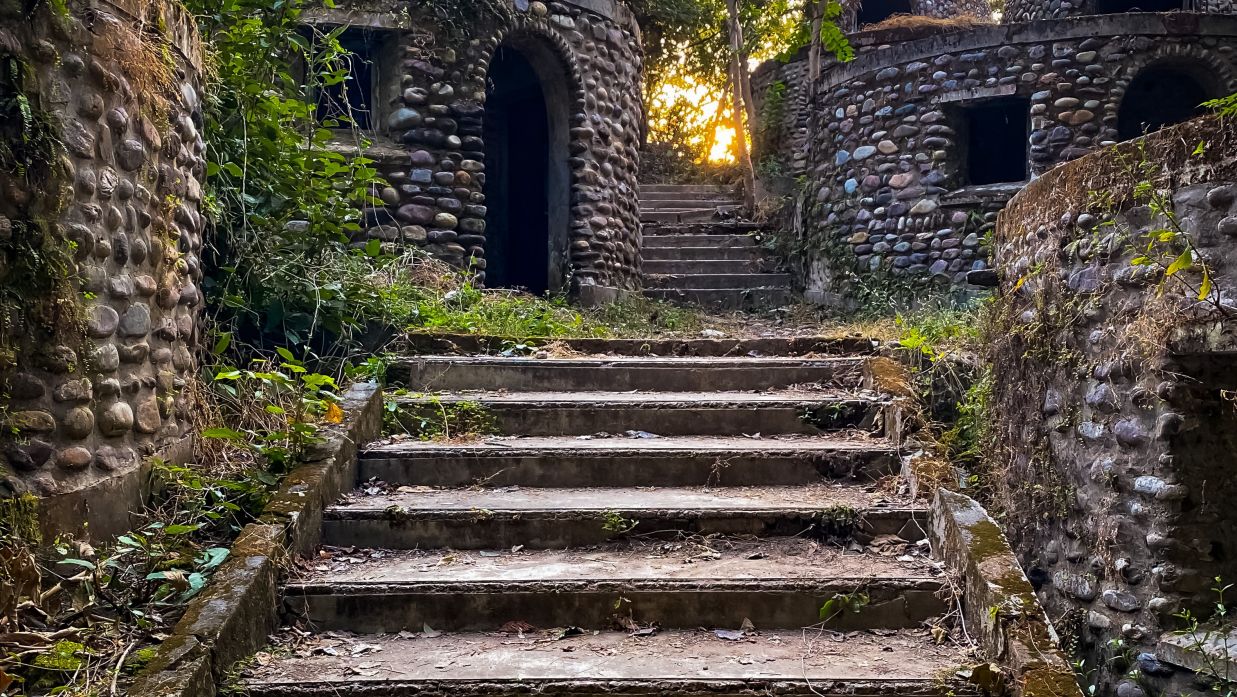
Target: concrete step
point(624, 461)
point(699, 241)
point(721, 227)
point(711, 281)
point(685, 663)
point(646, 189)
point(656, 203)
point(702, 266)
point(706, 583)
point(661, 413)
point(467, 344)
point(622, 374)
point(749, 253)
point(558, 518)
point(724, 299)
point(683, 215)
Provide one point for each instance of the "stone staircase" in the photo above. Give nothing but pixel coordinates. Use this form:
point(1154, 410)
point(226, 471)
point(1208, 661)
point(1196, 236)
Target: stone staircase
point(637, 526)
point(696, 251)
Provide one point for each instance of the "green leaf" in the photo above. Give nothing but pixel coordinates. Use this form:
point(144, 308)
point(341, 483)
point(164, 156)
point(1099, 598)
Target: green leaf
point(1181, 263)
point(212, 557)
point(224, 434)
point(181, 529)
point(373, 248)
point(1204, 289)
point(225, 340)
point(79, 562)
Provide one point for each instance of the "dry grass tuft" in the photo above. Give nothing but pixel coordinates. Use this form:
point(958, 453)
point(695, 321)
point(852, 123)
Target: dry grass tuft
point(917, 23)
point(891, 377)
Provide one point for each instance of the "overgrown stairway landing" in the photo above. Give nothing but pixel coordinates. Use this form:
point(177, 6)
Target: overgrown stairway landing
point(635, 525)
point(697, 251)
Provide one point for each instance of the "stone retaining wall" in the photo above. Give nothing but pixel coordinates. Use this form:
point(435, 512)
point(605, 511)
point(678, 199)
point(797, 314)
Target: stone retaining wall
point(100, 239)
point(429, 139)
point(887, 178)
point(1111, 400)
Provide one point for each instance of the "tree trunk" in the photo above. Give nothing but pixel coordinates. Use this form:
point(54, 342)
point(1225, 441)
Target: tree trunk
point(736, 84)
point(816, 11)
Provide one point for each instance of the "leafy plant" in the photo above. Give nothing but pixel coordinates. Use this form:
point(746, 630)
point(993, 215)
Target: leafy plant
point(843, 603)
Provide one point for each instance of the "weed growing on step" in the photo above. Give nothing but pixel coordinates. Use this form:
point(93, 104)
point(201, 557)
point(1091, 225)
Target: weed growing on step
point(836, 522)
point(432, 419)
point(843, 604)
point(614, 524)
point(1211, 640)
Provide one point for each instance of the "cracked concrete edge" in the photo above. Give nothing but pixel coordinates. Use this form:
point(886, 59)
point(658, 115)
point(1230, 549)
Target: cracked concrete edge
point(238, 609)
point(999, 605)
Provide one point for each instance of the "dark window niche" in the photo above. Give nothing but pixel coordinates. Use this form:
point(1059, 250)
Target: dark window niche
point(354, 97)
point(877, 11)
point(1157, 97)
point(994, 136)
point(1112, 7)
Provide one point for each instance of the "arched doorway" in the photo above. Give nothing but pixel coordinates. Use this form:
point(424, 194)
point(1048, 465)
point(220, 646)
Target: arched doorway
point(527, 180)
point(1160, 96)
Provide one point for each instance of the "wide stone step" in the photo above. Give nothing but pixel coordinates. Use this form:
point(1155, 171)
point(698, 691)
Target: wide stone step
point(706, 583)
point(683, 215)
point(906, 663)
point(750, 254)
point(721, 347)
point(712, 281)
point(625, 461)
point(559, 518)
point(718, 227)
point(724, 299)
point(701, 266)
point(663, 413)
point(656, 203)
point(646, 189)
point(703, 240)
point(622, 374)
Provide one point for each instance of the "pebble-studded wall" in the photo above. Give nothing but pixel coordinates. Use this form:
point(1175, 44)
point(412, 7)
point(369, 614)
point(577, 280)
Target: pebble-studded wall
point(101, 237)
point(430, 135)
point(1028, 10)
point(919, 144)
point(1110, 404)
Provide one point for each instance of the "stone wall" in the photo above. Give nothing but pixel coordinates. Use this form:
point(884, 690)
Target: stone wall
point(100, 237)
point(430, 140)
point(889, 183)
point(1111, 400)
point(1029, 10)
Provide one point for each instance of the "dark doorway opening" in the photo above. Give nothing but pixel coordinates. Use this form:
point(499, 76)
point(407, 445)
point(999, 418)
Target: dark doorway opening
point(1110, 7)
point(877, 11)
point(996, 141)
point(527, 180)
point(354, 96)
point(1157, 97)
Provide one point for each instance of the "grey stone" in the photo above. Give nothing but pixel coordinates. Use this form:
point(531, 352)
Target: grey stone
point(1121, 601)
point(136, 321)
point(131, 155)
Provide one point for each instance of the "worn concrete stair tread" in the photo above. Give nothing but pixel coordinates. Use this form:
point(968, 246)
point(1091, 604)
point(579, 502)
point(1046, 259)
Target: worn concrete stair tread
point(729, 253)
point(741, 281)
point(622, 460)
point(675, 584)
point(905, 662)
point(650, 398)
point(701, 240)
point(622, 374)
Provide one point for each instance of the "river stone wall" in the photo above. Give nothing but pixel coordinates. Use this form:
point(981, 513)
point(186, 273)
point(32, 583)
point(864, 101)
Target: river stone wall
point(429, 139)
point(1029, 10)
point(100, 239)
point(887, 191)
point(1112, 401)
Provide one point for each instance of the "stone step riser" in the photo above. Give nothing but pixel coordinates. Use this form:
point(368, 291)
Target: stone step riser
point(425, 344)
point(651, 469)
point(582, 376)
point(682, 189)
point(679, 216)
point(658, 203)
point(724, 299)
point(748, 254)
point(559, 529)
point(717, 281)
point(894, 604)
point(689, 268)
point(576, 419)
point(710, 228)
point(689, 240)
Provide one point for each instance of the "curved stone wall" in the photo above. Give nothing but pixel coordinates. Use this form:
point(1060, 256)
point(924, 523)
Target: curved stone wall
point(888, 174)
point(1111, 405)
point(100, 234)
point(1029, 10)
point(431, 143)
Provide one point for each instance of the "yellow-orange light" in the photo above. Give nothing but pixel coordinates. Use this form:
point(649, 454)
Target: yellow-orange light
point(723, 139)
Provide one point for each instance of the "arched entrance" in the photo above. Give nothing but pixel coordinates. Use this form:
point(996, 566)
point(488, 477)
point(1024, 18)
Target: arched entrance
point(527, 180)
point(1161, 95)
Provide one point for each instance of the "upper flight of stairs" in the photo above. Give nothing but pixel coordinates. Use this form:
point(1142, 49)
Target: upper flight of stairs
point(696, 251)
point(637, 526)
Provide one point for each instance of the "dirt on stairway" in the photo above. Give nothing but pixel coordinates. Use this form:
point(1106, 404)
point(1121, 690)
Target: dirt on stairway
point(635, 526)
point(696, 251)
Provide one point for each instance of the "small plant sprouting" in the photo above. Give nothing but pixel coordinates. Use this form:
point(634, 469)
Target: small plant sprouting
point(617, 525)
point(844, 603)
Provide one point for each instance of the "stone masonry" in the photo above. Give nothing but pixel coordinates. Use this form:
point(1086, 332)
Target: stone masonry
point(892, 181)
point(94, 371)
point(429, 135)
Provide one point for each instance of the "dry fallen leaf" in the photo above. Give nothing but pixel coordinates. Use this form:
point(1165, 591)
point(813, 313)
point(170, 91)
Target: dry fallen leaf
point(334, 414)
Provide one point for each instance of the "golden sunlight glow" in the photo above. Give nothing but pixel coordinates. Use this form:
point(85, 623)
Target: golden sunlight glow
point(722, 143)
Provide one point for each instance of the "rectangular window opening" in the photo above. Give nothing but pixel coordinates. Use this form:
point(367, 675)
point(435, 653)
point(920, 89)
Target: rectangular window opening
point(353, 97)
point(996, 137)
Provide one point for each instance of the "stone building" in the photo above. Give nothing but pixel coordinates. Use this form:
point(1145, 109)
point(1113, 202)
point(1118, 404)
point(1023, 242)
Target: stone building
point(101, 169)
point(909, 151)
point(510, 139)
point(1112, 400)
